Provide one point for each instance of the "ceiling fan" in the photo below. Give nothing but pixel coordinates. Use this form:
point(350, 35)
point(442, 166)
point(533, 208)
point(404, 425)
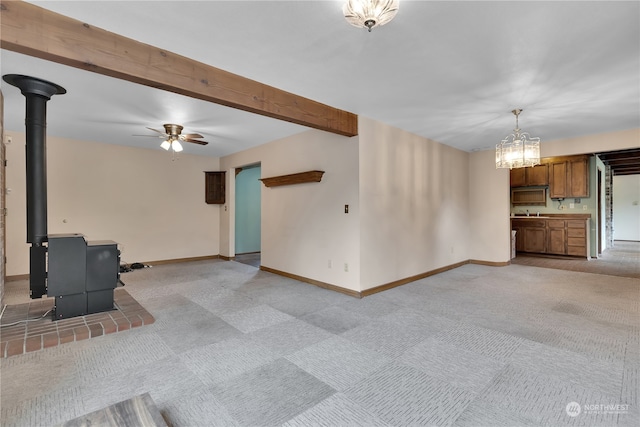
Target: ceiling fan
point(174, 137)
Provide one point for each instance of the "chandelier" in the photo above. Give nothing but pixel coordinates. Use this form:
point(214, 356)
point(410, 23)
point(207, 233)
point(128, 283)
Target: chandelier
point(518, 149)
point(369, 13)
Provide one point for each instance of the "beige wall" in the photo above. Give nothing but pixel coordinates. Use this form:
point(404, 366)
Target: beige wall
point(490, 238)
point(152, 206)
point(414, 204)
point(304, 226)
point(591, 143)
point(408, 202)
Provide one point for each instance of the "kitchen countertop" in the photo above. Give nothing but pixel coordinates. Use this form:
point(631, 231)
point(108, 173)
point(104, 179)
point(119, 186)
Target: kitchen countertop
point(553, 216)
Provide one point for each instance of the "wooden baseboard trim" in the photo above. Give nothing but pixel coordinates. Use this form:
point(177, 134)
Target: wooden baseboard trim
point(318, 283)
point(406, 280)
point(490, 263)
point(227, 258)
point(16, 277)
point(178, 260)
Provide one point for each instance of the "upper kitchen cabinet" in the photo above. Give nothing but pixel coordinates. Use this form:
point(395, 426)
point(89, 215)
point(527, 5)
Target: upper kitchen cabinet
point(530, 176)
point(537, 175)
point(569, 177)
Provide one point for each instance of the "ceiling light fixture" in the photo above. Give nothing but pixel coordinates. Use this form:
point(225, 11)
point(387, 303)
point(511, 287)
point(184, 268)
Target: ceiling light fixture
point(177, 147)
point(518, 149)
point(369, 13)
point(172, 142)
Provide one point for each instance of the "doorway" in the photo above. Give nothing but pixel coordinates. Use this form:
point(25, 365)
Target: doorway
point(247, 215)
point(600, 225)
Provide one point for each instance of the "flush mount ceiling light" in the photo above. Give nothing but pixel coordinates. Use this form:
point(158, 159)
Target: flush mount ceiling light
point(369, 13)
point(518, 149)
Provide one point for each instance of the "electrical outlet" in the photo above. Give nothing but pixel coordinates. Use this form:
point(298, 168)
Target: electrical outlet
point(8, 139)
point(346, 267)
point(329, 264)
point(584, 207)
point(572, 205)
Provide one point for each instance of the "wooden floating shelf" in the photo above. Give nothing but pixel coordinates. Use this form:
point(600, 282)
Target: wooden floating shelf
point(294, 178)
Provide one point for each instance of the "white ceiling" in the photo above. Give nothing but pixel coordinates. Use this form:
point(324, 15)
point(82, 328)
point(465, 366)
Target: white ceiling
point(447, 70)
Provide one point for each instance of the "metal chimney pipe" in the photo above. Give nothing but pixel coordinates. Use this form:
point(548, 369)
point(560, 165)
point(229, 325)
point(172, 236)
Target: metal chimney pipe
point(37, 92)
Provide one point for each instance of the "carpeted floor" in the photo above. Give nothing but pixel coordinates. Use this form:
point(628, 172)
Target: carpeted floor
point(623, 259)
point(235, 346)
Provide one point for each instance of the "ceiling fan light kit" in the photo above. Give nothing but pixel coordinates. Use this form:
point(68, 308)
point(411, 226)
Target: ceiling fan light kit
point(177, 147)
point(370, 13)
point(174, 136)
point(518, 149)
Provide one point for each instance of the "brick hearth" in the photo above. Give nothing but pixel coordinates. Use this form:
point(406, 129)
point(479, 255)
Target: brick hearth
point(35, 335)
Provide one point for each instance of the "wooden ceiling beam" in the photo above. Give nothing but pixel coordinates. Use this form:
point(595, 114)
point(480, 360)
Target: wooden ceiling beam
point(620, 155)
point(620, 159)
point(38, 32)
point(626, 170)
point(621, 162)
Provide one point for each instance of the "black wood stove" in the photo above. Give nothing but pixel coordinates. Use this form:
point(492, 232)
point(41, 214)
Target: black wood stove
point(81, 275)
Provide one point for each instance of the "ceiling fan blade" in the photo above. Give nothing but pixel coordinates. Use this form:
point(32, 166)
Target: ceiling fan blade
point(195, 141)
point(159, 131)
point(192, 135)
point(152, 136)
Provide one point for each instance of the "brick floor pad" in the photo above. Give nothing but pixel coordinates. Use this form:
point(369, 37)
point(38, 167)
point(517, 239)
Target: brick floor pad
point(35, 335)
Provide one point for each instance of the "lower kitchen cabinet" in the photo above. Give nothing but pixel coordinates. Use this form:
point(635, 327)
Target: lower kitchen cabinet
point(553, 236)
point(578, 238)
point(534, 239)
point(557, 237)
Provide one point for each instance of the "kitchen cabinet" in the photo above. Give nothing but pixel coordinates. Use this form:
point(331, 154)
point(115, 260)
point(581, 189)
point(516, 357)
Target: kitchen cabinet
point(556, 235)
point(531, 176)
point(214, 188)
point(531, 234)
point(578, 238)
point(517, 177)
point(535, 239)
point(578, 181)
point(529, 196)
point(558, 180)
point(569, 177)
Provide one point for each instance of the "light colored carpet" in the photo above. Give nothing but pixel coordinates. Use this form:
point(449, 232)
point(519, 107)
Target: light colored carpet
point(235, 346)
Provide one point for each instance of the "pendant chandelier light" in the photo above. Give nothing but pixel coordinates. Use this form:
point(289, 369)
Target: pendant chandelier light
point(369, 13)
point(518, 149)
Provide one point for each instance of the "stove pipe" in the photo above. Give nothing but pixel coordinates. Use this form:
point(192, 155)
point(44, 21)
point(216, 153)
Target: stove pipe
point(37, 92)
